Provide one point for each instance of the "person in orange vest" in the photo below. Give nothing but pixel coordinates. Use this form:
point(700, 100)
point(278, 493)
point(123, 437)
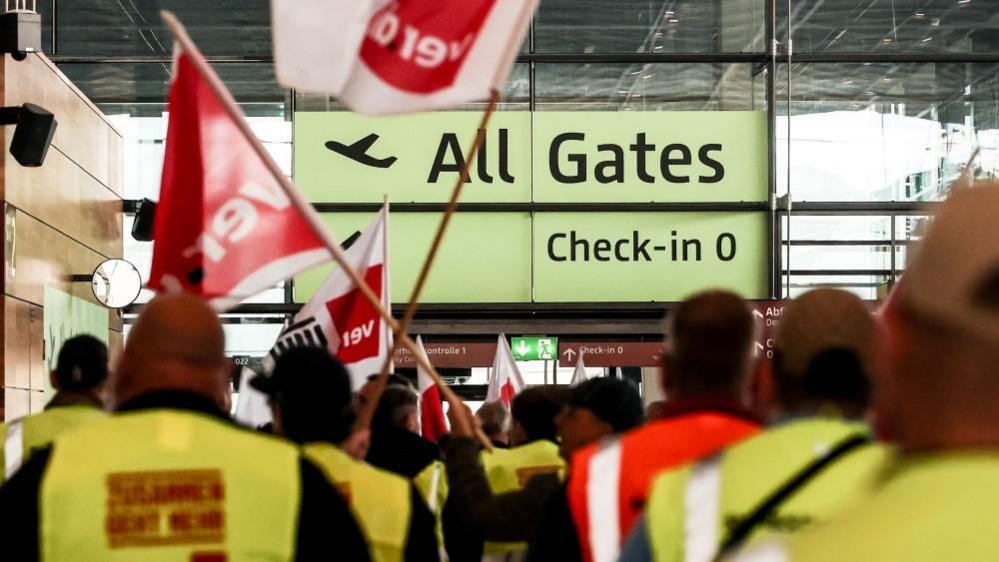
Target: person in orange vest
point(593, 410)
point(706, 374)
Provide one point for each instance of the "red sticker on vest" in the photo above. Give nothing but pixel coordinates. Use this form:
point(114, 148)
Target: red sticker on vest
point(209, 557)
point(165, 508)
point(525, 474)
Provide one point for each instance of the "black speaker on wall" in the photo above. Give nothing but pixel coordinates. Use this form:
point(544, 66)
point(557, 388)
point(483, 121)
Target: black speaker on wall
point(142, 227)
point(33, 133)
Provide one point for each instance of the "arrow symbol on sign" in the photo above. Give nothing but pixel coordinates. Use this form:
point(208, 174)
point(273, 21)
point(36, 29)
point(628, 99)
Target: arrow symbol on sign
point(758, 314)
point(568, 354)
point(523, 348)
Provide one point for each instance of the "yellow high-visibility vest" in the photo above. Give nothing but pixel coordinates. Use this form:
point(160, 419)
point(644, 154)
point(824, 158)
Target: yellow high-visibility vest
point(22, 437)
point(168, 485)
point(928, 508)
point(509, 470)
point(692, 509)
point(380, 500)
point(432, 485)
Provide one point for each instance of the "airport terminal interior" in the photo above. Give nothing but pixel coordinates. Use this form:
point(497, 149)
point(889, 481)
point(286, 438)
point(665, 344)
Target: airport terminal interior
point(852, 114)
point(847, 117)
point(499, 280)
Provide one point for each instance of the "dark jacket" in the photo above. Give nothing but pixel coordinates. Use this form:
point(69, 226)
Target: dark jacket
point(407, 454)
point(509, 517)
point(401, 451)
point(323, 514)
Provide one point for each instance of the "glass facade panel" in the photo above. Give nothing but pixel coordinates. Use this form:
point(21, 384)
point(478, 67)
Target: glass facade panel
point(640, 26)
point(884, 131)
point(141, 88)
point(649, 87)
point(895, 26)
point(134, 27)
point(880, 102)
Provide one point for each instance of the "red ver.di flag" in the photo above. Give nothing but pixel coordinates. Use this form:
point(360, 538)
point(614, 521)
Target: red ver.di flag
point(338, 316)
point(413, 55)
point(224, 228)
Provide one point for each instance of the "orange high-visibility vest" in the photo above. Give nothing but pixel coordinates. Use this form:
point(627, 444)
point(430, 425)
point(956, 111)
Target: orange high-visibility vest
point(609, 481)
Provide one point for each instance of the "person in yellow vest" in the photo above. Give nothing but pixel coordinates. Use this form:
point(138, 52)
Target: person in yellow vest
point(596, 409)
point(533, 452)
point(398, 447)
point(312, 404)
point(815, 460)
point(168, 477)
point(938, 395)
point(79, 376)
point(494, 417)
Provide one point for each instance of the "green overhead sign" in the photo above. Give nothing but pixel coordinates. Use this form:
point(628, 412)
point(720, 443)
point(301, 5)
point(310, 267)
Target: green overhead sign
point(487, 257)
point(556, 156)
point(534, 349)
point(549, 256)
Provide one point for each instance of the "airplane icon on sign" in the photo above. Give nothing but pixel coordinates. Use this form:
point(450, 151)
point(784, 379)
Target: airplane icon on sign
point(358, 152)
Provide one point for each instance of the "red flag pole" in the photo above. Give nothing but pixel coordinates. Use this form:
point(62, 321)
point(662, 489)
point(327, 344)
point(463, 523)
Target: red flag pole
point(229, 103)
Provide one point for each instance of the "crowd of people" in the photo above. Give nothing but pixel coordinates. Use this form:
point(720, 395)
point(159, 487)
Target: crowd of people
point(867, 437)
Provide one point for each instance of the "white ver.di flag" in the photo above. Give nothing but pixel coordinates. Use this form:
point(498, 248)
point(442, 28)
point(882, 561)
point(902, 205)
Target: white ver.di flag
point(579, 376)
point(339, 318)
point(506, 381)
point(382, 56)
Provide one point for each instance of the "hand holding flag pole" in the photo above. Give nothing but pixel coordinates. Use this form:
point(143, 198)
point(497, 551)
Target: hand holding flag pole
point(229, 104)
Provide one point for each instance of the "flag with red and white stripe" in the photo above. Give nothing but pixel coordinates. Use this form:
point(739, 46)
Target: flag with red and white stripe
point(433, 424)
point(506, 381)
point(339, 318)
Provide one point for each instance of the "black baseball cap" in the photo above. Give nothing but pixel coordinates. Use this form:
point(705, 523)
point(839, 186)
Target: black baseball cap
point(314, 392)
point(305, 370)
point(614, 401)
point(82, 363)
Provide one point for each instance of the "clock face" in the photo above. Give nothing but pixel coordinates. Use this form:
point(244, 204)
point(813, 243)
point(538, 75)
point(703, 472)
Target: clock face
point(116, 283)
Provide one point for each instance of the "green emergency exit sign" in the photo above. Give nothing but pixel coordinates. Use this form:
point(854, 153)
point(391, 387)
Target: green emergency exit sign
point(534, 348)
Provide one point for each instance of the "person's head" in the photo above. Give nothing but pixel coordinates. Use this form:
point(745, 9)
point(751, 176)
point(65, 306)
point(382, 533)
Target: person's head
point(823, 355)
point(534, 411)
point(398, 407)
point(595, 409)
point(655, 410)
point(495, 420)
point(82, 366)
point(370, 386)
point(177, 343)
point(711, 347)
point(310, 396)
point(942, 331)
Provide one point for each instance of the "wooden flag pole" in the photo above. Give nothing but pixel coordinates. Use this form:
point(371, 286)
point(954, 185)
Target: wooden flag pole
point(307, 210)
point(367, 413)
